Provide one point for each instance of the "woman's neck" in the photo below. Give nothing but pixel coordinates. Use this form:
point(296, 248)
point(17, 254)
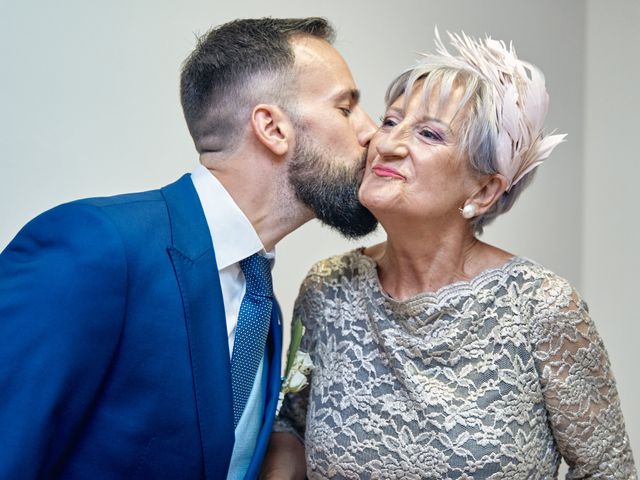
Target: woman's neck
point(421, 260)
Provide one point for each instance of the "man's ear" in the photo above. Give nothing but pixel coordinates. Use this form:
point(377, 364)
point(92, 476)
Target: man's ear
point(491, 189)
point(272, 127)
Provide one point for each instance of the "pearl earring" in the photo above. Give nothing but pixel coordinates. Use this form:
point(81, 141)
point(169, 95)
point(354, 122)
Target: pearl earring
point(469, 210)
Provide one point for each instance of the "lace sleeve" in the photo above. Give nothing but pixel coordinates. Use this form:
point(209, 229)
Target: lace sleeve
point(578, 386)
point(293, 414)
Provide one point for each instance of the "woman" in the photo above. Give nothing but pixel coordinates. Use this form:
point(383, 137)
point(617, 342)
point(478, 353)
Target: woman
point(437, 355)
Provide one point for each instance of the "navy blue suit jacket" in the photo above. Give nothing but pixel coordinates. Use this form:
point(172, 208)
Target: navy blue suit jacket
point(114, 357)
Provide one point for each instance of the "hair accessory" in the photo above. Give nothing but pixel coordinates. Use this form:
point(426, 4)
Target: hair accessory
point(469, 210)
point(521, 102)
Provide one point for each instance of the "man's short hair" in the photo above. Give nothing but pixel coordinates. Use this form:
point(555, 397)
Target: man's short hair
point(236, 66)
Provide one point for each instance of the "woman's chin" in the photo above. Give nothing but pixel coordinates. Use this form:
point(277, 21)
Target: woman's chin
point(364, 197)
point(375, 203)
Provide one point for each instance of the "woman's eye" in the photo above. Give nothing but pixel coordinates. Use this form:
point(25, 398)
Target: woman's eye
point(387, 122)
point(430, 134)
point(345, 111)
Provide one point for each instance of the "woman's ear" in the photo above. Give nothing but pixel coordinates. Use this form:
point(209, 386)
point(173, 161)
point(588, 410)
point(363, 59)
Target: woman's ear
point(272, 127)
point(492, 188)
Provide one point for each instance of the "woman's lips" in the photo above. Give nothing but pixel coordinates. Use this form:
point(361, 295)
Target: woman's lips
point(386, 172)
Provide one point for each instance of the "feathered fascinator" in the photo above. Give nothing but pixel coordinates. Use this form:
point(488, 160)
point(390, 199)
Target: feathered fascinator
point(520, 98)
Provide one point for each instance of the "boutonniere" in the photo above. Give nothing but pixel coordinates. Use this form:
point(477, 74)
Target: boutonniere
point(299, 365)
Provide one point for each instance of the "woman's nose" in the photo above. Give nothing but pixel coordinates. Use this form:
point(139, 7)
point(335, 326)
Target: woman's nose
point(391, 142)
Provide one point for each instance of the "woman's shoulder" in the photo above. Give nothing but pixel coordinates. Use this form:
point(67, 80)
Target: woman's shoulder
point(342, 271)
point(546, 289)
point(338, 267)
point(531, 270)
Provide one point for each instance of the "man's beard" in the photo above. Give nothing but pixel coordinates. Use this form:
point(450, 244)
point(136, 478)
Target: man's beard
point(330, 191)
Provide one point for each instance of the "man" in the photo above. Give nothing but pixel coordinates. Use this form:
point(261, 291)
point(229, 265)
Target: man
point(138, 334)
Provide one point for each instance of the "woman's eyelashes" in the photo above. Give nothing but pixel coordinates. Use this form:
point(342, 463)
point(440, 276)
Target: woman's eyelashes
point(430, 134)
point(388, 122)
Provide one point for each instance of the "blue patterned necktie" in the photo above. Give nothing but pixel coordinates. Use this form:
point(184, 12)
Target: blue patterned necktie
point(254, 318)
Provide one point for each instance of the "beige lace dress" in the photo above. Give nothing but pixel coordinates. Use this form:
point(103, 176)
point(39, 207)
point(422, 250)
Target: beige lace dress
point(496, 378)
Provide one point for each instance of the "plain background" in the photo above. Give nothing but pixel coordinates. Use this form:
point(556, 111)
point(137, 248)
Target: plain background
point(89, 106)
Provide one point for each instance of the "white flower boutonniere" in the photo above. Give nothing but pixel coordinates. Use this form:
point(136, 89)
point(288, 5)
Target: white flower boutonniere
point(299, 365)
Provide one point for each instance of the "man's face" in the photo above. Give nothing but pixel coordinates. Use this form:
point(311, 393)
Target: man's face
point(332, 133)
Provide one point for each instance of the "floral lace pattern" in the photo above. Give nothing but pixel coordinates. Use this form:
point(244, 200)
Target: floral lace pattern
point(496, 378)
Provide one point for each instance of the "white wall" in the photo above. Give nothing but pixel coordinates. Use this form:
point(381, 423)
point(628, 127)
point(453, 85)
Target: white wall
point(89, 102)
point(610, 231)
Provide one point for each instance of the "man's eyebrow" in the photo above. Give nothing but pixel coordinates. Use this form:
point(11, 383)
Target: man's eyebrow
point(352, 94)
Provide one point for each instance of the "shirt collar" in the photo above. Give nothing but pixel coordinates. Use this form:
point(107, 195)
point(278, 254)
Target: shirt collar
point(231, 231)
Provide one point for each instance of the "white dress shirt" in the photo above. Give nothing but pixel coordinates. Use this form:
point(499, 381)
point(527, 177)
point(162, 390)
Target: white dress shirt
point(234, 239)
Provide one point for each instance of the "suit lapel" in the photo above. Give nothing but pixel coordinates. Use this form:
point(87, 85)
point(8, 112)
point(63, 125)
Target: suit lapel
point(275, 370)
point(195, 266)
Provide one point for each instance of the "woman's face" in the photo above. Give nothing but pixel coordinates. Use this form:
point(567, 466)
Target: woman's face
point(413, 165)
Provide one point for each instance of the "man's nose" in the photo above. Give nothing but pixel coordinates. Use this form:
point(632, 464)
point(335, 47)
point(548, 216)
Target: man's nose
point(365, 127)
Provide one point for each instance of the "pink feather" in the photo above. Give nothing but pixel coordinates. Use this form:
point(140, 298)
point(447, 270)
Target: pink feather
point(520, 96)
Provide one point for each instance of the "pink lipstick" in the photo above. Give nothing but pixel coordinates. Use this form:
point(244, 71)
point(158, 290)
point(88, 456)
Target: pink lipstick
point(386, 172)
